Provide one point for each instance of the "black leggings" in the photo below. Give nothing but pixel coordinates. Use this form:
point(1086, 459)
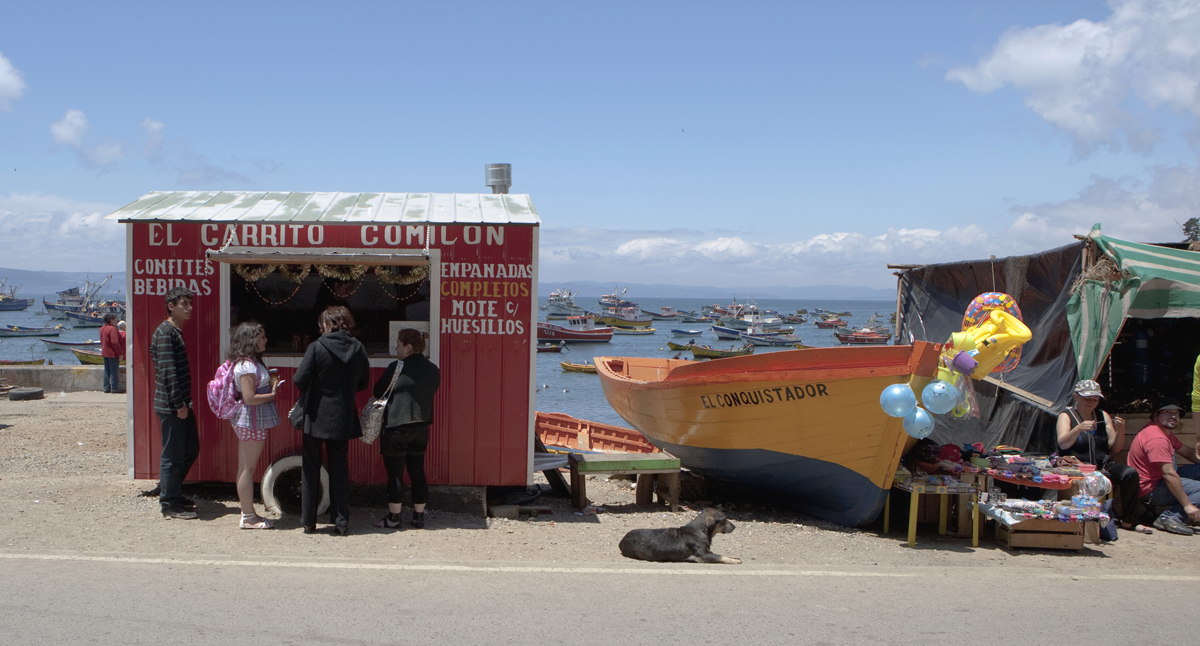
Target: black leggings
point(404, 446)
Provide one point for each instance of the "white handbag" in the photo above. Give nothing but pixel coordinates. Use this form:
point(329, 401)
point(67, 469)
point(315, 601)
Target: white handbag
point(372, 414)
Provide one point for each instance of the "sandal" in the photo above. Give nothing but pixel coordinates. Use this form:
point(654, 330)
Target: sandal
point(390, 521)
point(254, 521)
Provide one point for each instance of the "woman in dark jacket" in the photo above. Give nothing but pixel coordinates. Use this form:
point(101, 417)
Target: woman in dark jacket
point(407, 418)
point(334, 368)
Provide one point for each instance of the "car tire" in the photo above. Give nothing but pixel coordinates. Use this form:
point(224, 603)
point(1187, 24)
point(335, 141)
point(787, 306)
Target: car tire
point(281, 487)
point(24, 394)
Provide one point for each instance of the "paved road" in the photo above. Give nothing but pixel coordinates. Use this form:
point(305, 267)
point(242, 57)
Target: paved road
point(124, 600)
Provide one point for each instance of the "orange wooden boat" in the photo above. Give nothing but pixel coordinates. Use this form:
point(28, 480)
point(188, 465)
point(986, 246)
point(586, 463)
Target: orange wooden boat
point(805, 424)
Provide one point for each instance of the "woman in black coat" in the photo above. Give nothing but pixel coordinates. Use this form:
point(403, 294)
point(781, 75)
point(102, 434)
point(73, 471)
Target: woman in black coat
point(407, 418)
point(334, 367)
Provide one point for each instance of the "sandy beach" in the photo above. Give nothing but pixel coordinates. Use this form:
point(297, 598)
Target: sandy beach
point(63, 477)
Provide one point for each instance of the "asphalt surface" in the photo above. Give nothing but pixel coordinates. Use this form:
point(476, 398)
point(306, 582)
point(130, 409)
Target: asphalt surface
point(125, 600)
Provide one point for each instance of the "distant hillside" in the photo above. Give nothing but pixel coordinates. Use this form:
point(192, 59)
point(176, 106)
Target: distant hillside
point(814, 292)
point(48, 282)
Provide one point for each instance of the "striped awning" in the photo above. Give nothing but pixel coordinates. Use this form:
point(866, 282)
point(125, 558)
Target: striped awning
point(1155, 282)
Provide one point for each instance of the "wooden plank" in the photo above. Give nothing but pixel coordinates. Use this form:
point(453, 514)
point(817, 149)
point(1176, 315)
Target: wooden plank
point(606, 462)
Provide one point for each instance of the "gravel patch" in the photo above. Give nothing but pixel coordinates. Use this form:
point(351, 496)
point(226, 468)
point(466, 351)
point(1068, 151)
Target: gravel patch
point(63, 480)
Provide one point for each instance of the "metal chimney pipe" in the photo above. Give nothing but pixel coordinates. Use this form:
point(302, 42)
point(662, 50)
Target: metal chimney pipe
point(497, 176)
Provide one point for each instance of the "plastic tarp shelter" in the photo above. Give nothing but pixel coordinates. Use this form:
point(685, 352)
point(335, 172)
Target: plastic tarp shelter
point(1018, 407)
point(1147, 282)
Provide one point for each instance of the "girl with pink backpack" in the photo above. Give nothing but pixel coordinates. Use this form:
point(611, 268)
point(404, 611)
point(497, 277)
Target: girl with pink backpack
point(256, 415)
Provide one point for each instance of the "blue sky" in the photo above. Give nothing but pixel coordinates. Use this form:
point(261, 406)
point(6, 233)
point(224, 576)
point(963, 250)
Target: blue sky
point(689, 143)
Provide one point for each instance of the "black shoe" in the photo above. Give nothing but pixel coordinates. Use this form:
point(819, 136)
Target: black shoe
point(390, 521)
point(418, 521)
point(187, 503)
point(1172, 525)
point(341, 530)
point(310, 529)
point(179, 513)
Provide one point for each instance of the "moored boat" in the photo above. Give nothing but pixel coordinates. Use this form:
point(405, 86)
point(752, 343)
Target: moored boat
point(17, 330)
point(82, 319)
point(726, 333)
point(551, 347)
point(686, 333)
point(560, 304)
point(577, 367)
point(573, 328)
point(805, 424)
point(623, 317)
point(777, 340)
point(709, 352)
point(90, 356)
point(66, 345)
point(830, 322)
point(665, 313)
point(22, 362)
point(10, 302)
point(633, 331)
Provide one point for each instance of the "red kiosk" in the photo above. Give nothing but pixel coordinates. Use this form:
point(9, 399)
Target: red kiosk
point(462, 267)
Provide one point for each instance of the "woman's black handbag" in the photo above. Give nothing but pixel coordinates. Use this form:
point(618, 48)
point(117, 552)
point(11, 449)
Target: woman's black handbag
point(296, 415)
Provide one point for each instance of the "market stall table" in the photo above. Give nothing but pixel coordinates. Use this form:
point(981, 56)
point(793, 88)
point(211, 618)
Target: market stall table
point(941, 485)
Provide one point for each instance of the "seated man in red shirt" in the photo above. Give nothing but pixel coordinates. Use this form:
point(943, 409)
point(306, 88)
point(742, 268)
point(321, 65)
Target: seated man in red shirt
point(1160, 481)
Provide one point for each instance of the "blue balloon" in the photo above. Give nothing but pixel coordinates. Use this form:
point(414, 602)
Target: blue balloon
point(898, 400)
point(918, 423)
point(939, 397)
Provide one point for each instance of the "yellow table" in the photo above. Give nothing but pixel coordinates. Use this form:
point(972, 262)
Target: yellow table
point(943, 491)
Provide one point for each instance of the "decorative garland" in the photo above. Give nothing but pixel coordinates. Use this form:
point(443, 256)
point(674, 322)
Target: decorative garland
point(253, 273)
point(254, 288)
point(388, 276)
point(295, 273)
point(343, 272)
point(398, 297)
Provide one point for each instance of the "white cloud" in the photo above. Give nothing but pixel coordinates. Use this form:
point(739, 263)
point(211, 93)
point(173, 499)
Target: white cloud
point(69, 130)
point(12, 84)
point(72, 129)
point(191, 168)
point(46, 232)
point(1091, 79)
point(1149, 212)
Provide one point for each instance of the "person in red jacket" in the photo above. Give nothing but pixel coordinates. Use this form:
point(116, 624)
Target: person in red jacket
point(112, 347)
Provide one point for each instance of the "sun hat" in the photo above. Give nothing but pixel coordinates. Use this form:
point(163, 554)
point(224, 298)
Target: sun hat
point(1166, 403)
point(1087, 388)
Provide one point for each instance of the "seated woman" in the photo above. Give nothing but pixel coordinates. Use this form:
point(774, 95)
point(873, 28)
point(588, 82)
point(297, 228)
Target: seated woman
point(1091, 435)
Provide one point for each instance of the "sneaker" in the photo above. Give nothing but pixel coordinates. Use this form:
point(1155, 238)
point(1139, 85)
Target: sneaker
point(179, 513)
point(418, 520)
point(1172, 524)
point(188, 503)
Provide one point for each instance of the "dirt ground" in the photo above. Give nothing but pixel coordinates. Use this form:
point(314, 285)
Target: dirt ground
point(64, 486)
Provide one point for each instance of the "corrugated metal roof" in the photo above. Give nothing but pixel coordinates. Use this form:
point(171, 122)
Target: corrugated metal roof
point(264, 206)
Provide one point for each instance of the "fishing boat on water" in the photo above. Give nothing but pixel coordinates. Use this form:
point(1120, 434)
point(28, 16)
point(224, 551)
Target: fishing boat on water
point(665, 313)
point(9, 302)
point(575, 329)
point(818, 435)
point(634, 331)
point(560, 304)
point(615, 300)
point(830, 321)
point(686, 333)
point(85, 300)
point(726, 333)
point(90, 356)
point(757, 337)
point(82, 319)
point(24, 362)
point(623, 317)
point(577, 367)
point(17, 330)
point(67, 345)
point(709, 352)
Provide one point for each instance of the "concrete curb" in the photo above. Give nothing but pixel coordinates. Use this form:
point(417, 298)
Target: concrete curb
point(67, 379)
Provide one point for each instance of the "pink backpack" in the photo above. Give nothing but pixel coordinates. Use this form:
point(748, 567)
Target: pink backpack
point(223, 393)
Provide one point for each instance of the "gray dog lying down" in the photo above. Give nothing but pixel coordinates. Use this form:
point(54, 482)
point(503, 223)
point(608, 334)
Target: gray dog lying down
point(692, 542)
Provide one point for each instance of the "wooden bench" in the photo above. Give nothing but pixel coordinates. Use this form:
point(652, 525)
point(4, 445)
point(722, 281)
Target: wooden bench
point(644, 465)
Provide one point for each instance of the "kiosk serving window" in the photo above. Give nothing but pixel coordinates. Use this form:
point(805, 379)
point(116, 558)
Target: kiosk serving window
point(287, 299)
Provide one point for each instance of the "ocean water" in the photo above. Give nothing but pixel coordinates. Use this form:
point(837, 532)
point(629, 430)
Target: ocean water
point(579, 394)
point(558, 391)
point(30, 347)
